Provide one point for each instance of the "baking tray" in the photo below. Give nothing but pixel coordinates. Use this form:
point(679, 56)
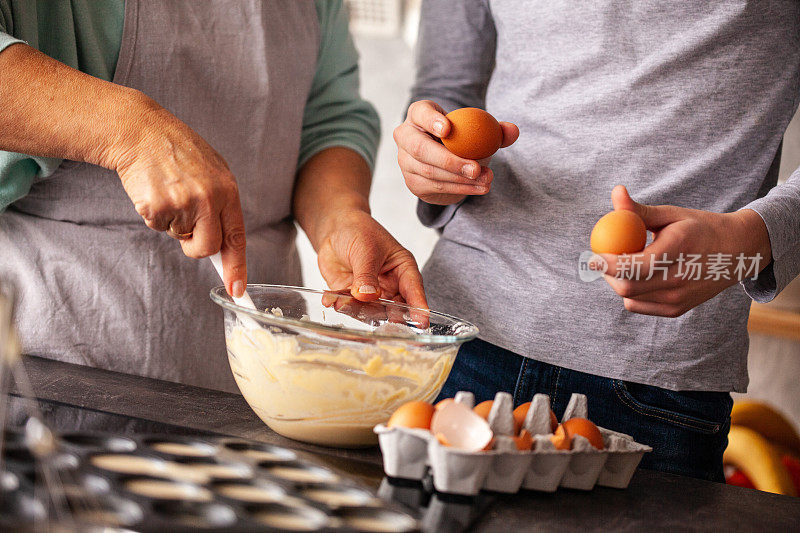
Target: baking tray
point(181, 483)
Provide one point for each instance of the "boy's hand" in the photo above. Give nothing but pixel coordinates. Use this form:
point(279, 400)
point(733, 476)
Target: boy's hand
point(431, 171)
point(672, 289)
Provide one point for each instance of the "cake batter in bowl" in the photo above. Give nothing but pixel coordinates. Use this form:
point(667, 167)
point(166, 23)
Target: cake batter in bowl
point(325, 368)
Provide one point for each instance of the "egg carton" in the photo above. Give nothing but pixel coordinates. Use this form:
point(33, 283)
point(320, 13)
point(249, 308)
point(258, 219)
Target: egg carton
point(410, 453)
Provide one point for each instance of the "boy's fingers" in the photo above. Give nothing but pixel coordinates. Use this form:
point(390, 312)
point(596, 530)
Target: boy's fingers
point(510, 133)
point(430, 117)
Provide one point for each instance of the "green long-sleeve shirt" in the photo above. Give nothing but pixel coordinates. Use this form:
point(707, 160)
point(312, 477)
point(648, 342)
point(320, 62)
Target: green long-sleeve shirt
point(87, 34)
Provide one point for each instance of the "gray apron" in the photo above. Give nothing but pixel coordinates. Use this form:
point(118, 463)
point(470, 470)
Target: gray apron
point(97, 287)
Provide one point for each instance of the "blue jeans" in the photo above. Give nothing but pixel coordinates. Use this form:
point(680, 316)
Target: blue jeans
point(688, 431)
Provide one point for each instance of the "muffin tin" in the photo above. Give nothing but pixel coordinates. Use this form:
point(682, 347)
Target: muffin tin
point(413, 454)
point(157, 483)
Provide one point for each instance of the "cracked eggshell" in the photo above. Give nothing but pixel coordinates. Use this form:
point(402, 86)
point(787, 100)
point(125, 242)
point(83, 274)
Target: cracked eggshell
point(461, 428)
point(404, 451)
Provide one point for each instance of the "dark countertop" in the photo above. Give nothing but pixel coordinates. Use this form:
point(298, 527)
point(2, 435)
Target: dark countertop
point(654, 501)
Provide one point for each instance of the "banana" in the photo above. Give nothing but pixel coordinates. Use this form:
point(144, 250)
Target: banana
point(759, 460)
point(763, 419)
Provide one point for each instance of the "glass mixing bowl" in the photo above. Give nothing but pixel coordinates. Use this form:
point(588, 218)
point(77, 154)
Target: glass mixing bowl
point(323, 367)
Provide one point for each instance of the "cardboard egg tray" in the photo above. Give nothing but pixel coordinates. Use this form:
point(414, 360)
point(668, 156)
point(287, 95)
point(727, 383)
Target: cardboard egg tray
point(268, 496)
point(413, 453)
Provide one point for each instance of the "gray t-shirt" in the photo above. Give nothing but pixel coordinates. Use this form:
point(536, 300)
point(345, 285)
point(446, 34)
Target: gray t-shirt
point(685, 103)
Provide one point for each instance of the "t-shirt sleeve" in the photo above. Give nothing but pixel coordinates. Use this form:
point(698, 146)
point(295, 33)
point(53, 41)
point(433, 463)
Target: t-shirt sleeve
point(780, 209)
point(453, 68)
point(335, 113)
point(7, 40)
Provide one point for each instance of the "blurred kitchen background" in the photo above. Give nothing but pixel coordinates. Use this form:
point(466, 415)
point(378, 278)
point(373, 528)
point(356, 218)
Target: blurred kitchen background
point(385, 33)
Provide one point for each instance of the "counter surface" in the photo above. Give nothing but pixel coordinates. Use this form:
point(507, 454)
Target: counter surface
point(654, 501)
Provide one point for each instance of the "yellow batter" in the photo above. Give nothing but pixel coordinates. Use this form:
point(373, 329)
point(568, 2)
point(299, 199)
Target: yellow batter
point(329, 392)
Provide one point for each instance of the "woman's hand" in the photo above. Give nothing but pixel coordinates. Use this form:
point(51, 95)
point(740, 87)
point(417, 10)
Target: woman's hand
point(726, 244)
point(360, 255)
point(180, 185)
point(354, 251)
point(176, 181)
point(431, 171)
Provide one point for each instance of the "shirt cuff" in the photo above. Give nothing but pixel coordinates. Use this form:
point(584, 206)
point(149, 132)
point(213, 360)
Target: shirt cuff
point(782, 218)
point(337, 142)
point(436, 216)
point(7, 40)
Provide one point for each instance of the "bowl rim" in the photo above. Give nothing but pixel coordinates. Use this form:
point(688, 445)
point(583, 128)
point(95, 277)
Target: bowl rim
point(219, 295)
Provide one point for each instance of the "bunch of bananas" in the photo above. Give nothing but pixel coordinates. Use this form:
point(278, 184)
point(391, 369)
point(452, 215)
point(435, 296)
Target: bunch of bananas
point(763, 449)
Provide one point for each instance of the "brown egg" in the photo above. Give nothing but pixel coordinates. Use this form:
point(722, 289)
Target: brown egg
point(585, 428)
point(619, 232)
point(561, 438)
point(483, 409)
point(444, 402)
point(524, 441)
point(474, 133)
point(412, 415)
point(522, 411)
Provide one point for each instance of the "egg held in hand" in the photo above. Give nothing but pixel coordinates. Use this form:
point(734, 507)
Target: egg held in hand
point(619, 232)
point(474, 133)
point(412, 415)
